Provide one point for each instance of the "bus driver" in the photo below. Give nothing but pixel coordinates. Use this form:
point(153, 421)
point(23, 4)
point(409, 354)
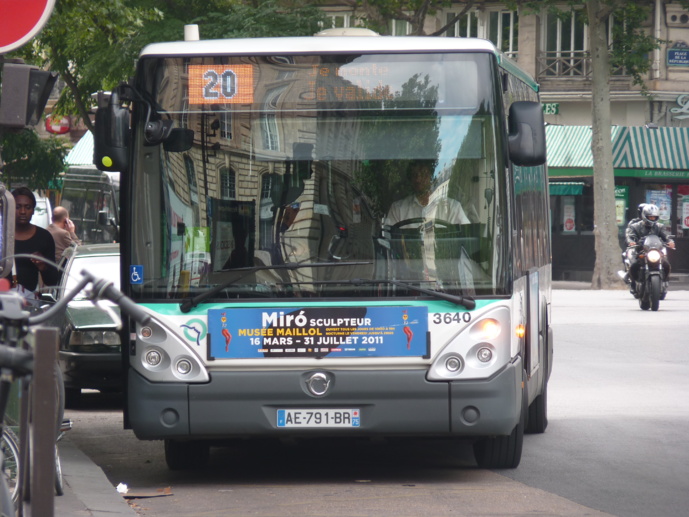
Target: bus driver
point(419, 204)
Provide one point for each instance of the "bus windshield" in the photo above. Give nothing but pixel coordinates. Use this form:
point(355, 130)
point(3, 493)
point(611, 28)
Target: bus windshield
point(321, 176)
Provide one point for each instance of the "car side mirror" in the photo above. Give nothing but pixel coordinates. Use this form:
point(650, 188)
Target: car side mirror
point(526, 139)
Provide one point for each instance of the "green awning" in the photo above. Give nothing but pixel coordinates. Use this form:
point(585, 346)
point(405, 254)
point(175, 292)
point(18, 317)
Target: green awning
point(663, 152)
point(82, 152)
point(566, 188)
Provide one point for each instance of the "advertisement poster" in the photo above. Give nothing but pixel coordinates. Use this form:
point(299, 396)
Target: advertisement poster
point(318, 332)
point(568, 214)
point(661, 196)
point(621, 200)
point(683, 206)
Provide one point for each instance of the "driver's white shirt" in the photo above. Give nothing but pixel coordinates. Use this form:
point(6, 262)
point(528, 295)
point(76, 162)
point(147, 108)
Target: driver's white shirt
point(445, 209)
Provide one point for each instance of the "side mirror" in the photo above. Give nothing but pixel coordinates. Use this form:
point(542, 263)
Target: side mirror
point(179, 140)
point(103, 219)
point(111, 136)
point(7, 214)
point(526, 137)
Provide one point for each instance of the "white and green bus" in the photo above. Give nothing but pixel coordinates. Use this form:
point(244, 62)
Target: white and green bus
point(304, 278)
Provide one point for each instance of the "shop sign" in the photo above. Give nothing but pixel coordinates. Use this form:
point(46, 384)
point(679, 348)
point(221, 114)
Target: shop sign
point(551, 108)
point(652, 173)
point(678, 54)
point(683, 110)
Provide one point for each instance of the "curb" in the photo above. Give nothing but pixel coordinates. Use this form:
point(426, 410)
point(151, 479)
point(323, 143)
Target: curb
point(88, 492)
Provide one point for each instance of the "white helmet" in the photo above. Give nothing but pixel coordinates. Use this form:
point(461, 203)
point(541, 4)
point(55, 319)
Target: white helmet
point(650, 215)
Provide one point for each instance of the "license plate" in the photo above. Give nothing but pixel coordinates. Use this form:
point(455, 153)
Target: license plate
point(319, 418)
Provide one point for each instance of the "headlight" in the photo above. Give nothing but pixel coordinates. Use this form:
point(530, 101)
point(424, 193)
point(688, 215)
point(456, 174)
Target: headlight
point(478, 352)
point(94, 337)
point(653, 256)
point(94, 341)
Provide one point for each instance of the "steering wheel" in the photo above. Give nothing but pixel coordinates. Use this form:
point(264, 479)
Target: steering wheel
point(420, 220)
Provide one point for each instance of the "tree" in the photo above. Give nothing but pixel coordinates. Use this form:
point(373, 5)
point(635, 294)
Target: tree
point(630, 48)
point(376, 14)
point(29, 159)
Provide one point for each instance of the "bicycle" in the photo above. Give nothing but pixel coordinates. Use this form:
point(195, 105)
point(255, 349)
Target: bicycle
point(28, 352)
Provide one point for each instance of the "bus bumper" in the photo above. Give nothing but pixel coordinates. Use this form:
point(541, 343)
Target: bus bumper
point(391, 403)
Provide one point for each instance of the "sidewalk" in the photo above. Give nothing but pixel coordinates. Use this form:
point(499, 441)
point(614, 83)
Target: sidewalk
point(88, 492)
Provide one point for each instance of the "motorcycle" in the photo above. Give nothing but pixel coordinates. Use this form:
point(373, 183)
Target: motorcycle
point(651, 285)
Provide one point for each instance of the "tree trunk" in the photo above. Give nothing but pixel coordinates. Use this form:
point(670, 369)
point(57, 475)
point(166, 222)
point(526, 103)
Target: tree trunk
point(605, 230)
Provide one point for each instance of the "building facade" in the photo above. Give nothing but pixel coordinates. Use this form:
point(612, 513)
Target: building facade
point(650, 129)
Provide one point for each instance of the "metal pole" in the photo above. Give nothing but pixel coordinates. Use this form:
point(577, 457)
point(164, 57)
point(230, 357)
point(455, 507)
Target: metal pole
point(44, 422)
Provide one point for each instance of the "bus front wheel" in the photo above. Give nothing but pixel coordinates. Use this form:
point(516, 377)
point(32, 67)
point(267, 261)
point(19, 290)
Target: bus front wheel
point(186, 455)
point(502, 452)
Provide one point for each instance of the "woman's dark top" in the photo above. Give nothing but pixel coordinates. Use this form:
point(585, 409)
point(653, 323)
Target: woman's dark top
point(27, 274)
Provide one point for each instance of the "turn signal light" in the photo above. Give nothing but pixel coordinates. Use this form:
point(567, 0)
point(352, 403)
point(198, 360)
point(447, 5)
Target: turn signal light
point(520, 331)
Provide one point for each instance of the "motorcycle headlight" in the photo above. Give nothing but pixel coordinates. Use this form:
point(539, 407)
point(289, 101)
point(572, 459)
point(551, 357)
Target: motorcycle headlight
point(654, 256)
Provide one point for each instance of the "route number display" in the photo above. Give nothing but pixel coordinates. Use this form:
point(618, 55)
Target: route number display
point(221, 84)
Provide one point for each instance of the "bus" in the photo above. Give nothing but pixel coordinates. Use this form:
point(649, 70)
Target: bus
point(304, 279)
point(92, 198)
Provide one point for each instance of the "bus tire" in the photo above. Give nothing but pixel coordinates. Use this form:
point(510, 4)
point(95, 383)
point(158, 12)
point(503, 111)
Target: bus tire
point(186, 455)
point(502, 452)
point(538, 413)
point(537, 420)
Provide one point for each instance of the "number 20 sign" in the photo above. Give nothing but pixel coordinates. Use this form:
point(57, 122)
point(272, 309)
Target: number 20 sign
point(221, 84)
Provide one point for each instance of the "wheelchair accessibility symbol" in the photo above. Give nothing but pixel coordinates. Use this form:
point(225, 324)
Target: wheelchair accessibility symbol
point(136, 274)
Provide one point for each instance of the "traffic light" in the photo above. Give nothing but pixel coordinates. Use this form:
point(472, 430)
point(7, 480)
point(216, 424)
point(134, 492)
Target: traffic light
point(25, 91)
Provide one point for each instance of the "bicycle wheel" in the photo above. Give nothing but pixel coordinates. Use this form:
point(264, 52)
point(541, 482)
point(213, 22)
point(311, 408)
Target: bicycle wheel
point(12, 467)
point(59, 485)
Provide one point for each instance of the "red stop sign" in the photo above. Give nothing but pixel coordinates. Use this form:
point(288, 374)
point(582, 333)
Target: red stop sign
point(21, 20)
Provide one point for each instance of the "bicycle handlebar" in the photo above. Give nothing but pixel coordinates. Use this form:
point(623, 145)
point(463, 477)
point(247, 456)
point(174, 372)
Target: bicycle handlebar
point(16, 359)
point(102, 289)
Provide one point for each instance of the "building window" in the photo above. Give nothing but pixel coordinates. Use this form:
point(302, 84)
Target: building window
point(503, 31)
point(465, 27)
point(191, 179)
point(228, 183)
point(226, 125)
point(340, 20)
point(269, 125)
point(400, 27)
point(565, 46)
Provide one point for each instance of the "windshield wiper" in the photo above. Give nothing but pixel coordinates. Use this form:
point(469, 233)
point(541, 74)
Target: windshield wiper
point(464, 301)
point(190, 303)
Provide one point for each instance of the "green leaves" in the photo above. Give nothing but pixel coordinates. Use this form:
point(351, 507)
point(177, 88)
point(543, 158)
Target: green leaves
point(30, 159)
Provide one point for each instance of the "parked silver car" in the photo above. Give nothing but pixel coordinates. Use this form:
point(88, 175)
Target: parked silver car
point(90, 347)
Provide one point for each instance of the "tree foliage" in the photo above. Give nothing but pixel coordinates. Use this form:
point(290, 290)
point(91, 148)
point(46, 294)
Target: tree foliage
point(30, 160)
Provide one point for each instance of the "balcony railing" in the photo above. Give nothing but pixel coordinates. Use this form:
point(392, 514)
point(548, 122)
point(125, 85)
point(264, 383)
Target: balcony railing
point(568, 64)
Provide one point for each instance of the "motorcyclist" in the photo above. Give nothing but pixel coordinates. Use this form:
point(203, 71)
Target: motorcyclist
point(636, 232)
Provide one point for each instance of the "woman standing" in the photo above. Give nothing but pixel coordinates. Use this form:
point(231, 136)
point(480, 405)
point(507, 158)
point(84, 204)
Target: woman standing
point(30, 239)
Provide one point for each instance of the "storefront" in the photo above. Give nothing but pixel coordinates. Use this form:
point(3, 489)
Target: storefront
point(651, 165)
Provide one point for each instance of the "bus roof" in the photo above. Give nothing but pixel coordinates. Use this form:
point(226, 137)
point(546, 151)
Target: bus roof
point(315, 44)
point(333, 44)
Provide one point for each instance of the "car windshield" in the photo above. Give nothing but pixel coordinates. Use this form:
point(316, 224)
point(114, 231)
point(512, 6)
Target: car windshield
point(102, 266)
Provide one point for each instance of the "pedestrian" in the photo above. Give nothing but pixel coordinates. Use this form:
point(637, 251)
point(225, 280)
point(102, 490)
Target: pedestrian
point(30, 239)
point(63, 231)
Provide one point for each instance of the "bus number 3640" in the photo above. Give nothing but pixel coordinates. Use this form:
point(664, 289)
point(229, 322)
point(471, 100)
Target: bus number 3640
point(449, 318)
